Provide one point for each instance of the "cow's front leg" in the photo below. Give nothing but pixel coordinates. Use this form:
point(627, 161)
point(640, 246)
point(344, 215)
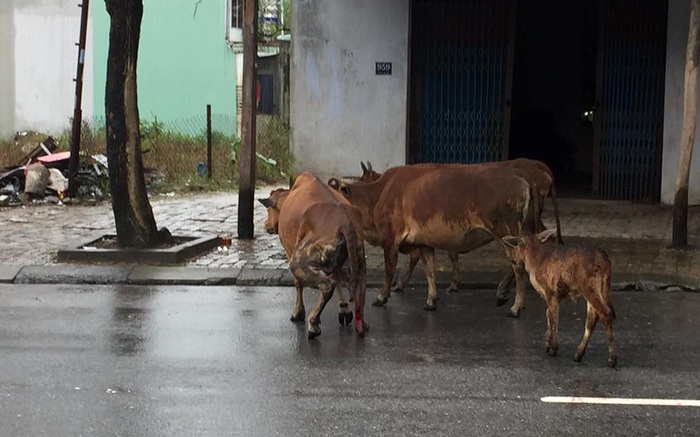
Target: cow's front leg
point(520, 280)
point(502, 291)
point(427, 257)
point(313, 325)
point(299, 313)
point(391, 255)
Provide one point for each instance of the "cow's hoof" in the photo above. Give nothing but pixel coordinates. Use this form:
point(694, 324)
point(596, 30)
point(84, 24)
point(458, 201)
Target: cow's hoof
point(397, 287)
point(513, 315)
point(430, 307)
point(300, 317)
point(501, 301)
point(361, 328)
point(345, 318)
point(551, 351)
point(379, 302)
point(612, 361)
point(313, 331)
point(451, 289)
point(578, 357)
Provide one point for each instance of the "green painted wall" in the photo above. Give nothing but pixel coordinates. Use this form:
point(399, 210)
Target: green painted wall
point(184, 64)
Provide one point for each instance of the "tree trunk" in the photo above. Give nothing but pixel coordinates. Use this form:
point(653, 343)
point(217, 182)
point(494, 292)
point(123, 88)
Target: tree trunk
point(246, 180)
point(690, 111)
point(133, 217)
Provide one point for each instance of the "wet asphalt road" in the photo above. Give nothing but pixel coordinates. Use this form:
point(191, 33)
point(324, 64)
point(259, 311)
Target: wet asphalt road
point(189, 361)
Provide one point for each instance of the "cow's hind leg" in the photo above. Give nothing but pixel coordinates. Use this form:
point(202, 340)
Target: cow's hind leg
point(313, 324)
point(606, 314)
point(454, 259)
point(299, 313)
point(391, 255)
point(591, 319)
point(552, 341)
point(413, 259)
point(344, 314)
point(427, 258)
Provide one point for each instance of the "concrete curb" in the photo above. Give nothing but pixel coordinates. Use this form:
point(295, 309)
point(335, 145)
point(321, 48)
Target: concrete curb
point(178, 275)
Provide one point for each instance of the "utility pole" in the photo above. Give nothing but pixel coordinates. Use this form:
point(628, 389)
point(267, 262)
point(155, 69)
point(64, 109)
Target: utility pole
point(246, 184)
point(74, 161)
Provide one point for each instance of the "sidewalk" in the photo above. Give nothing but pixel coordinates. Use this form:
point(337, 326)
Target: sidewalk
point(636, 236)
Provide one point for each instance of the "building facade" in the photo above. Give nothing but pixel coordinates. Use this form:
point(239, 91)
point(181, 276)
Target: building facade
point(187, 59)
point(592, 87)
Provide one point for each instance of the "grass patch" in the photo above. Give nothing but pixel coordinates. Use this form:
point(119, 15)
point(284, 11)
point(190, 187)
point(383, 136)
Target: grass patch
point(174, 153)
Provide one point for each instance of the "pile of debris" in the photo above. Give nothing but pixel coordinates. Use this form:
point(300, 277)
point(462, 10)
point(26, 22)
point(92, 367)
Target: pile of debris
point(42, 175)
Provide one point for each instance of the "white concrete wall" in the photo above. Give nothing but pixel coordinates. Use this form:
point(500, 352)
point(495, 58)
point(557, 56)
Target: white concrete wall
point(39, 55)
point(678, 22)
point(341, 112)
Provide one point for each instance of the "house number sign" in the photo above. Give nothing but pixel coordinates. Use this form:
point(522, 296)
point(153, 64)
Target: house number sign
point(383, 68)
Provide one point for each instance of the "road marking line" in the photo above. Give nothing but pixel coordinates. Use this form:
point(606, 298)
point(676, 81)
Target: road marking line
point(622, 401)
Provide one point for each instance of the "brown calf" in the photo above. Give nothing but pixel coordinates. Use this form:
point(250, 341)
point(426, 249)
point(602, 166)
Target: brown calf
point(317, 229)
point(558, 271)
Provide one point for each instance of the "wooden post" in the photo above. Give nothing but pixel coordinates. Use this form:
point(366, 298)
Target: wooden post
point(74, 160)
point(690, 113)
point(209, 171)
point(246, 184)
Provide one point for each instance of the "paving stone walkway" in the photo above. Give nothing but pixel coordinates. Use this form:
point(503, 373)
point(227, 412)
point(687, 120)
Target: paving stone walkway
point(636, 236)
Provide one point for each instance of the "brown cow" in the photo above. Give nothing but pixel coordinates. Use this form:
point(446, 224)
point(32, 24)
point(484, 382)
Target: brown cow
point(540, 178)
point(557, 271)
point(317, 229)
point(453, 207)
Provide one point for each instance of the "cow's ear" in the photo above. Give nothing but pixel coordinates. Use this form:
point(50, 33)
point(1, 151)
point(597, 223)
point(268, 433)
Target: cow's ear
point(511, 241)
point(268, 203)
point(364, 169)
point(545, 235)
point(334, 183)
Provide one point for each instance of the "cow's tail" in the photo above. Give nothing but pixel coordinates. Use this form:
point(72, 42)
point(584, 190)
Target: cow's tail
point(356, 259)
point(358, 276)
point(533, 209)
point(606, 290)
point(553, 196)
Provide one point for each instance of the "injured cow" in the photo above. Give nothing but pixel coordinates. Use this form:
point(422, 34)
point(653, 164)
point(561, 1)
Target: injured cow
point(541, 179)
point(317, 229)
point(453, 207)
point(558, 271)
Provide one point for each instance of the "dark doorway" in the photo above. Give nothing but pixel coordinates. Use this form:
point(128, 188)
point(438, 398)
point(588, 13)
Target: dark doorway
point(554, 84)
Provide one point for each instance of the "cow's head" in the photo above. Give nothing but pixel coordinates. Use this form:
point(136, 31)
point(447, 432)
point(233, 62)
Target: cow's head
point(368, 175)
point(274, 205)
point(518, 246)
